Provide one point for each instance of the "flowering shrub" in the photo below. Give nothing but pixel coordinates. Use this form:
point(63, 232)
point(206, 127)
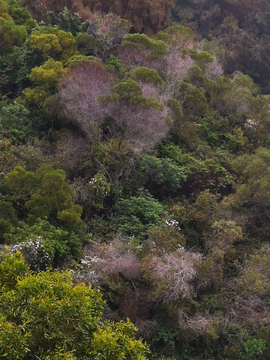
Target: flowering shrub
point(86, 272)
point(42, 239)
point(173, 223)
point(38, 253)
point(99, 188)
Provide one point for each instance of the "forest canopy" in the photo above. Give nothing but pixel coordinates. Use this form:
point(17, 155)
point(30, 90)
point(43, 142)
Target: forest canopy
point(134, 180)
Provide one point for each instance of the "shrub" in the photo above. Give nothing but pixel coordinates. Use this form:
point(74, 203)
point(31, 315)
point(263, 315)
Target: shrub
point(12, 266)
point(38, 253)
point(137, 214)
point(15, 123)
point(42, 239)
point(160, 175)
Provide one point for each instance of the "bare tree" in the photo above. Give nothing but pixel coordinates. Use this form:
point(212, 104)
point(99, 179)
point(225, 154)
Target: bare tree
point(138, 122)
point(172, 274)
point(114, 257)
point(132, 56)
point(175, 68)
point(78, 92)
point(142, 127)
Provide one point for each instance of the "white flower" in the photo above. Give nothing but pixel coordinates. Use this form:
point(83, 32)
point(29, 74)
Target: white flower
point(173, 223)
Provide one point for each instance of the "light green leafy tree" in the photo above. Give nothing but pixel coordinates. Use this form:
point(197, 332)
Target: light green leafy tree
point(53, 42)
point(45, 316)
point(15, 23)
point(46, 195)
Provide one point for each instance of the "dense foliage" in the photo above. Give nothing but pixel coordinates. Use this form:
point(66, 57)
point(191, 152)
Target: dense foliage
point(236, 30)
point(43, 315)
point(132, 167)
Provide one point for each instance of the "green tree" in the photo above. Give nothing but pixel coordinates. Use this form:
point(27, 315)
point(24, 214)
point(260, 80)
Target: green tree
point(66, 22)
point(45, 194)
point(53, 42)
point(12, 266)
point(8, 218)
point(137, 214)
point(15, 123)
point(15, 68)
point(19, 185)
point(152, 49)
point(52, 200)
point(15, 23)
point(146, 75)
point(20, 15)
point(160, 176)
point(11, 34)
point(253, 173)
point(61, 245)
point(47, 315)
point(45, 78)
